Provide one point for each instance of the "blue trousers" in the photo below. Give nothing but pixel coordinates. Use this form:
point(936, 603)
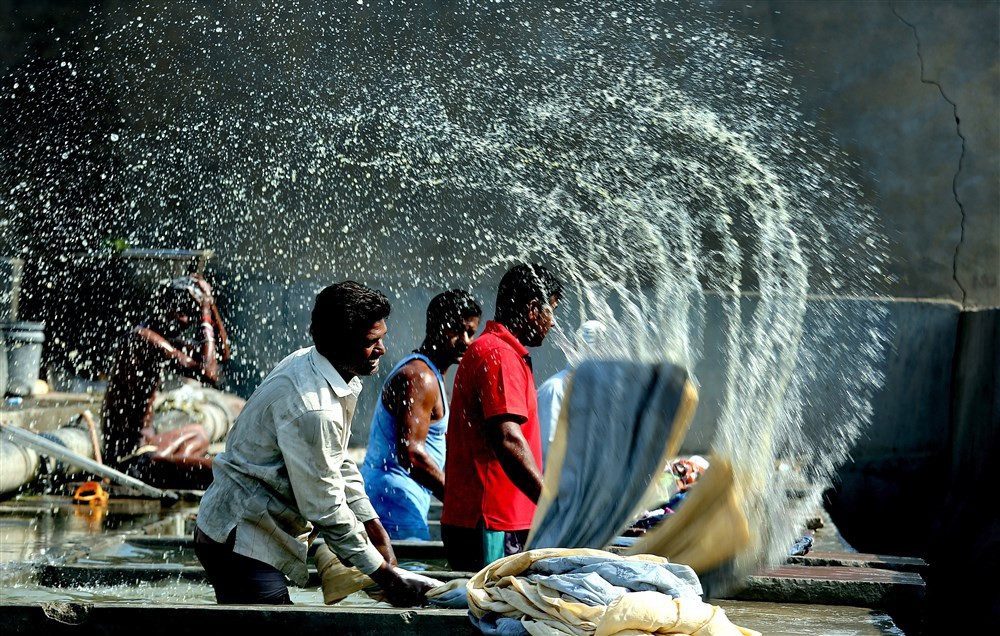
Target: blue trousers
point(239, 580)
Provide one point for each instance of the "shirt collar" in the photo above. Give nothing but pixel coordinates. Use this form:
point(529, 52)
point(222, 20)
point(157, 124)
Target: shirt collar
point(504, 334)
point(333, 377)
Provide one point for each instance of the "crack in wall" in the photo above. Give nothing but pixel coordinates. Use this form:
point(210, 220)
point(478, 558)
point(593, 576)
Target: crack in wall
point(961, 158)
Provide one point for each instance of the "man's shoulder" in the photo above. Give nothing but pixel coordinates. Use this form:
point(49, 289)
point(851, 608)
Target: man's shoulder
point(290, 387)
point(415, 375)
point(489, 345)
point(556, 381)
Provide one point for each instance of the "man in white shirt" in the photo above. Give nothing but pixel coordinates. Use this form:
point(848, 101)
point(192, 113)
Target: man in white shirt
point(550, 394)
point(285, 470)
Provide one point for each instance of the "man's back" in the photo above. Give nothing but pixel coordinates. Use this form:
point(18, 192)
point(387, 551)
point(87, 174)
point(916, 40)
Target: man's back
point(493, 379)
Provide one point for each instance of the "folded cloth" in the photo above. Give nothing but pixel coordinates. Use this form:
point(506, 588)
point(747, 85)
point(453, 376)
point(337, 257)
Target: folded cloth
point(584, 592)
point(451, 595)
point(340, 581)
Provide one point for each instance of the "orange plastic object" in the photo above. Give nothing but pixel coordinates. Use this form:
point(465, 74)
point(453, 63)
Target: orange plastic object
point(91, 492)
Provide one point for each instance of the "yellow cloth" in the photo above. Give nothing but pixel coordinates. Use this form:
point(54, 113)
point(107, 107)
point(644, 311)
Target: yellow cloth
point(338, 580)
point(709, 529)
point(544, 612)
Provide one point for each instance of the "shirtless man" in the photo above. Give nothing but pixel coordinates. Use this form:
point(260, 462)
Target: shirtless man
point(151, 349)
point(404, 464)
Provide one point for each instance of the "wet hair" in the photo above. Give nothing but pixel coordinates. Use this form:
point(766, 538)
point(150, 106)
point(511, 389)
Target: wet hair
point(448, 310)
point(178, 295)
point(346, 309)
point(524, 284)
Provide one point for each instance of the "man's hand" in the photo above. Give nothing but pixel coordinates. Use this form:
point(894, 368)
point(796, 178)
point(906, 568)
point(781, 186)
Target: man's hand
point(380, 539)
point(400, 591)
point(204, 289)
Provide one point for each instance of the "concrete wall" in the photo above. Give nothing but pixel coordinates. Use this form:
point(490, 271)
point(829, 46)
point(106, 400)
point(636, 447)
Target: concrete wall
point(965, 545)
point(889, 80)
point(886, 81)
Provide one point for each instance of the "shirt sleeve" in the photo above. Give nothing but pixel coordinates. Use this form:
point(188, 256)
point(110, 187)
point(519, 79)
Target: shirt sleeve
point(354, 489)
point(311, 450)
point(503, 385)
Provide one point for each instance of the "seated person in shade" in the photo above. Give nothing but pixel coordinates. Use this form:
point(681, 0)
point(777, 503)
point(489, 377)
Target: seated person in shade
point(176, 458)
point(404, 464)
point(550, 394)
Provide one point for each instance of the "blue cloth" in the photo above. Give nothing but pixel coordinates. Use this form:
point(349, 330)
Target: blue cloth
point(620, 417)
point(627, 575)
point(401, 503)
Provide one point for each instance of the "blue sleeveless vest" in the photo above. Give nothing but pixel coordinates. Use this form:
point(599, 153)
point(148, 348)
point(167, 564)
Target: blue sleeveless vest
point(401, 503)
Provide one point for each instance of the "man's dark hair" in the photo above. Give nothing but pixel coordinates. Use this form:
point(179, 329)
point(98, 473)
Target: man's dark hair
point(523, 284)
point(448, 309)
point(345, 310)
point(177, 295)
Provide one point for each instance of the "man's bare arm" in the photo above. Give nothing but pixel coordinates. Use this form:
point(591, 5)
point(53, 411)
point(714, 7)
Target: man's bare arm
point(205, 369)
point(410, 397)
point(504, 435)
point(220, 329)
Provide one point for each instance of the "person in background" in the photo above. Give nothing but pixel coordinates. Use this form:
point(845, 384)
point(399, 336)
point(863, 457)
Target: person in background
point(550, 394)
point(404, 464)
point(177, 458)
point(285, 470)
point(494, 451)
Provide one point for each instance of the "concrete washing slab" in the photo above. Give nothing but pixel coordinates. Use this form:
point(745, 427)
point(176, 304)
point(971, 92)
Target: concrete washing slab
point(114, 619)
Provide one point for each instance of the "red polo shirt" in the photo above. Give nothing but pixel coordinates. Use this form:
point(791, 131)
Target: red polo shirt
point(494, 378)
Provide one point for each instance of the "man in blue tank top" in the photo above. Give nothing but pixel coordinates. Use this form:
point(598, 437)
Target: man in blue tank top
point(404, 464)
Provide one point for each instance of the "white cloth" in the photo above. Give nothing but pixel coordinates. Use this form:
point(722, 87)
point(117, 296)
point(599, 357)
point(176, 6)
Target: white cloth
point(285, 469)
point(550, 397)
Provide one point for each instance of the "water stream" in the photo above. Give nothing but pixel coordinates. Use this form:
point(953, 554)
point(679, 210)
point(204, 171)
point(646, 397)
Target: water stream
point(654, 159)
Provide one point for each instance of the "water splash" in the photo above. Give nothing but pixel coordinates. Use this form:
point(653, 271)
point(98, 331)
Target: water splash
point(657, 160)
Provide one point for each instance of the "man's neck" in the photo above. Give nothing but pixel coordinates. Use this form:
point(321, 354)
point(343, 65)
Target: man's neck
point(517, 328)
point(347, 375)
point(344, 373)
point(434, 355)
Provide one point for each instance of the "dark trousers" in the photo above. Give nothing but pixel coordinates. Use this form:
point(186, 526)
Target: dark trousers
point(472, 549)
point(239, 580)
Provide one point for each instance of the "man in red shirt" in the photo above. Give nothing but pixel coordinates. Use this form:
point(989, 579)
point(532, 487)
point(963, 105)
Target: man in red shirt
point(492, 466)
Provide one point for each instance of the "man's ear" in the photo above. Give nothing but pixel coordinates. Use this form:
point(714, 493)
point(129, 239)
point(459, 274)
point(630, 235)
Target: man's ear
point(534, 310)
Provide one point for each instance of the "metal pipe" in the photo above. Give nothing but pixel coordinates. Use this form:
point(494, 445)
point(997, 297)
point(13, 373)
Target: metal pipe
point(51, 449)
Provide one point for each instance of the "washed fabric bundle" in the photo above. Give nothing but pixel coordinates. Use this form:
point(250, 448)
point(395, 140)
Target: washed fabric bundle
point(340, 581)
point(709, 530)
point(582, 592)
point(619, 424)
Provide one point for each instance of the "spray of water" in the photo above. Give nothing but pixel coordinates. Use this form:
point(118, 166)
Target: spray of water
point(655, 159)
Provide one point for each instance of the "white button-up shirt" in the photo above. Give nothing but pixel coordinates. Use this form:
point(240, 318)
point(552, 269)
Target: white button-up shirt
point(285, 469)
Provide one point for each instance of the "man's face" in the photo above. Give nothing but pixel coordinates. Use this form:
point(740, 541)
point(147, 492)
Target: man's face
point(457, 340)
point(541, 320)
point(361, 356)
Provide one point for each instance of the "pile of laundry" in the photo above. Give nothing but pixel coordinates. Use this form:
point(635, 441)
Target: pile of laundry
point(584, 592)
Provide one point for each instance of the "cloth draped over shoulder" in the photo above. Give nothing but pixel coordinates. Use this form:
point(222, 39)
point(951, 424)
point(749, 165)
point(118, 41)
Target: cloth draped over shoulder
point(582, 592)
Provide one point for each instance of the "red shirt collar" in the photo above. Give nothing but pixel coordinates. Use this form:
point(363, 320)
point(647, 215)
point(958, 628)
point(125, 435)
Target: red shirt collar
point(504, 334)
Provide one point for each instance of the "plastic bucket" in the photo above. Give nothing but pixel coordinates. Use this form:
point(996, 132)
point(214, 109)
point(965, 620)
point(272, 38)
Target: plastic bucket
point(23, 341)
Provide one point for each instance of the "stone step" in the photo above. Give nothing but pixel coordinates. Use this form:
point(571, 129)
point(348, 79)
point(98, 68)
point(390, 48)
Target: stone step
point(123, 619)
point(861, 560)
point(834, 585)
point(89, 575)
